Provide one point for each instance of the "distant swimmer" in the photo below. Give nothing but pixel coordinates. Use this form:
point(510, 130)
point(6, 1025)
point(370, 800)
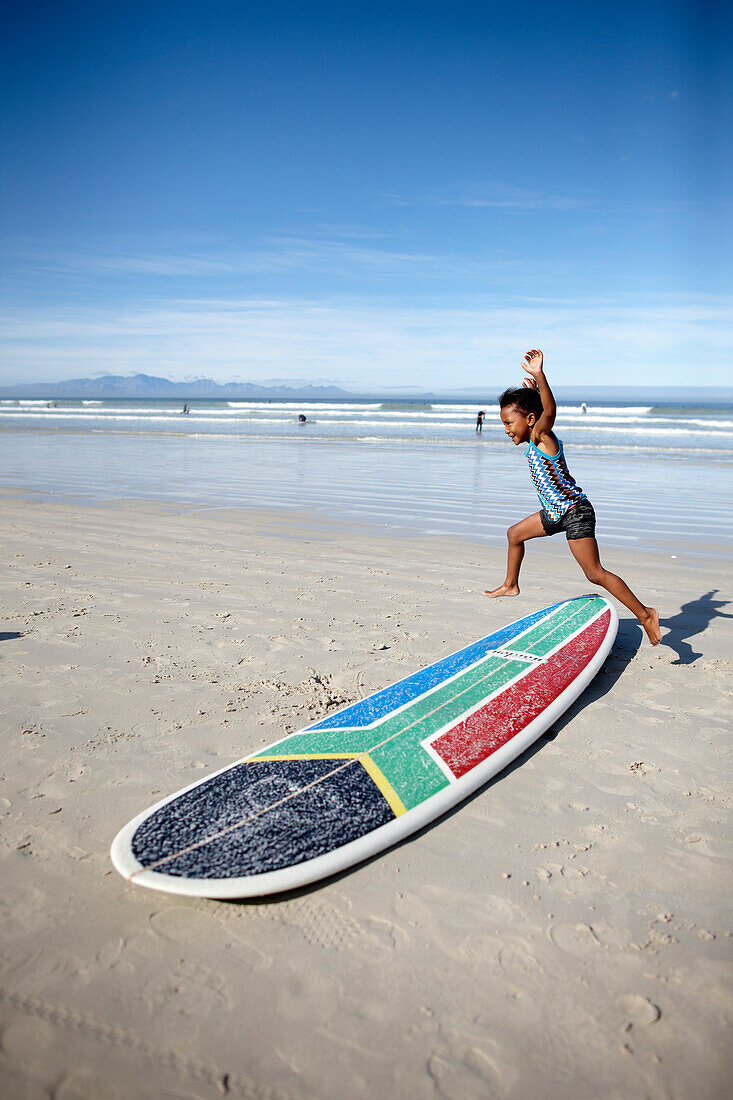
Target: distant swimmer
point(185, 410)
point(480, 420)
point(301, 418)
point(584, 407)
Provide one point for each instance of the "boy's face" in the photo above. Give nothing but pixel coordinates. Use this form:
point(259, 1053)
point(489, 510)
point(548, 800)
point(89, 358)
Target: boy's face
point(517, 424)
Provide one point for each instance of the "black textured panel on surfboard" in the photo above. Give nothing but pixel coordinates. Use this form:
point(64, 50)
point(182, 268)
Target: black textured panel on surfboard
point(226, 813)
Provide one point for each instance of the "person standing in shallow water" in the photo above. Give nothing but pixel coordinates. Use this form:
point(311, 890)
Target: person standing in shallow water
point(528, 415)
point(480, 420)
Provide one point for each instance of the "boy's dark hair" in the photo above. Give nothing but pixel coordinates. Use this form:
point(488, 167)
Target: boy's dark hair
point(527, 400)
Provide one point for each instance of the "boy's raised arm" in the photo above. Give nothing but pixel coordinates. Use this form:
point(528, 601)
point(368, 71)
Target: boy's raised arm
point(533, 365)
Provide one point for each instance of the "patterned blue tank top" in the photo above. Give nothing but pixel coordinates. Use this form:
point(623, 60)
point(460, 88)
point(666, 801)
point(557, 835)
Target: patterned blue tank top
point(554, 483)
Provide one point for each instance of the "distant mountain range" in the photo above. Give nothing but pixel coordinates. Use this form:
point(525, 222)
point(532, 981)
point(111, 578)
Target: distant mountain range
point(145, 385)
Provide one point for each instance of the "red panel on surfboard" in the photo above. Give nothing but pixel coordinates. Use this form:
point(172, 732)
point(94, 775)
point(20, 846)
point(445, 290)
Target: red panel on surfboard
point(487, 729)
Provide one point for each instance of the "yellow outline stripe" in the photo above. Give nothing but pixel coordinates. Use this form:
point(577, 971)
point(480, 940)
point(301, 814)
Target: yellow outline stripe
point(375, 774)
point(394, 800)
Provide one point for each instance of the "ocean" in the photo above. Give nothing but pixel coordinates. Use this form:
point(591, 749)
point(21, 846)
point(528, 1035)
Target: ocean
point(660, 475)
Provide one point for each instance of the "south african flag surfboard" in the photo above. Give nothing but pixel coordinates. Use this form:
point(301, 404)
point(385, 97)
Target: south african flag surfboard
point(355, 783)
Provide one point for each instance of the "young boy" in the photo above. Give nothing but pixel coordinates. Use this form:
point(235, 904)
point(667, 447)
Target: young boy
point(528, 415)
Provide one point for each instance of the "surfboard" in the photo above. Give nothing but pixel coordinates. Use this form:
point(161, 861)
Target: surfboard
point(358, 781)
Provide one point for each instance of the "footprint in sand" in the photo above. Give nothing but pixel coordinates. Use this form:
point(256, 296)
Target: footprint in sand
point(639, 1011)
point(469, 1070)
point(321, 924)
point(578, 940)
point(191, 927)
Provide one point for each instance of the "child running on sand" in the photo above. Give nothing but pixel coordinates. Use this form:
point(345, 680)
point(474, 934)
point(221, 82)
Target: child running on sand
point(528, 414)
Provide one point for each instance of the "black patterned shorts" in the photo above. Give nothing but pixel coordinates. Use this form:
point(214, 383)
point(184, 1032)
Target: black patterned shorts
point(579, 522)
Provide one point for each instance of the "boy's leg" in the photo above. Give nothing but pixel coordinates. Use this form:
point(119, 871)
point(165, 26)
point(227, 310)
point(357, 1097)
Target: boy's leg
point(517, 535)
point(585, 552)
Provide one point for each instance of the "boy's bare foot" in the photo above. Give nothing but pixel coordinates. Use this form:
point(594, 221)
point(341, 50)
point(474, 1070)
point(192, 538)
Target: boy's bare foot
point(651, 625)
point(505, 590)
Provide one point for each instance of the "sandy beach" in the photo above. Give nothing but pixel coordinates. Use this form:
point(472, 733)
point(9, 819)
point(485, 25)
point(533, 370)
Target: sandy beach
point(565, 933)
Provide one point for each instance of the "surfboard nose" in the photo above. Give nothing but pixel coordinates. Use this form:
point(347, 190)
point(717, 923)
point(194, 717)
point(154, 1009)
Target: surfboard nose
point(260, 816)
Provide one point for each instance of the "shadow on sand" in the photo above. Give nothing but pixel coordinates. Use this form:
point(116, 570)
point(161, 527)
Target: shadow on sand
point(9, 636)
point(691, 619)
point(624, 649)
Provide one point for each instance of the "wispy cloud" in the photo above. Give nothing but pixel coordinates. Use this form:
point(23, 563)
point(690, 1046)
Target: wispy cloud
point(498, 196)
point(338, 254)
point(377, 343)
point(528, 200)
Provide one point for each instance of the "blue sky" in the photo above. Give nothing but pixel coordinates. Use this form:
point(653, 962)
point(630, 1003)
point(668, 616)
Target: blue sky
point(379, 195)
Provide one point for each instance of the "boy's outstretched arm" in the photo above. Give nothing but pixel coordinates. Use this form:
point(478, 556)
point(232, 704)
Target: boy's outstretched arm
point(533, 365)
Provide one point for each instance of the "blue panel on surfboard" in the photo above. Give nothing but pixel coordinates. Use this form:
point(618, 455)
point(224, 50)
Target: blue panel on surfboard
point(383, 702)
